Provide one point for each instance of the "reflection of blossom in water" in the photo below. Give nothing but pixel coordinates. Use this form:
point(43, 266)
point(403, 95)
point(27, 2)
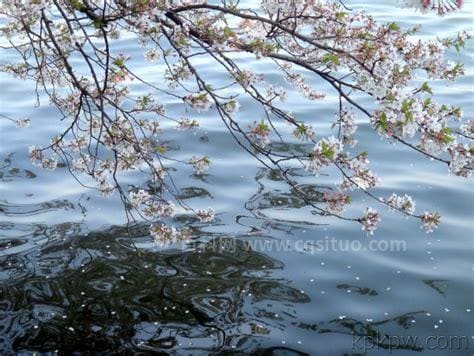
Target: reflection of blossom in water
point(22, 123)
point(439, 6)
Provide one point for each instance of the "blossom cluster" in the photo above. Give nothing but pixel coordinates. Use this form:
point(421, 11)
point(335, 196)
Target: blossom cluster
point(337, 201)
point(404, 116)
point(205, 215)
point(165, 235)
point(298, 82)
point(22, 123)
point(370, 220)
point(348, 127)
point(150, 206)
point(405, 203)
point(462, 160)
point(430, 221)
point(200, 102)
point(259, 132)
point(200, 164)
point(361, 176)
point(40, 160)
point(323, 154)
point(467, 129)
point(187, 124)
point(303, 132)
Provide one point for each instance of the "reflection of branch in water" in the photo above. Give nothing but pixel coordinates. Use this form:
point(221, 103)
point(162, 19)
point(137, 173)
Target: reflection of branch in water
point(115, 299)
point(34, 209)
point(359, 290)
point(433, 284)
point(267, 199)
point(8, 174)
point(368, 330)
point(19, 238)
point(193, 192)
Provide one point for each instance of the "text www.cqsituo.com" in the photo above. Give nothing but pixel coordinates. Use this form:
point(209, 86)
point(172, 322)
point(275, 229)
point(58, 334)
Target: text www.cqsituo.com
point(326, 244)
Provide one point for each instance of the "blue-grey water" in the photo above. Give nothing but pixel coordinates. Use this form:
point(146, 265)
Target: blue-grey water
point(71, 281)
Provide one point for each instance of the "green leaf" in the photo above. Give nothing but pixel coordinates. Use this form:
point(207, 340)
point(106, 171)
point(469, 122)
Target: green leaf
point(341, 15)
point(382, 122)
point(302, 129)
point(78, 5)
point(228, 32)
point(161, 149)
point(98, 23)
point(426, 102)
point(426, 88)
point(457, 112)
point(447, 136)
point(119, 62)
point(262, 126)
point(393, 26)
point(330, 58)
point(327, 151)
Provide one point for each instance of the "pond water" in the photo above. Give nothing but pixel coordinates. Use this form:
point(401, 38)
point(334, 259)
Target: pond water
point(72, 281)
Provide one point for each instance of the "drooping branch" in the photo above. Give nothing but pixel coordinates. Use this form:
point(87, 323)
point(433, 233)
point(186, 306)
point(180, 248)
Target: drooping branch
point(112, 130)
